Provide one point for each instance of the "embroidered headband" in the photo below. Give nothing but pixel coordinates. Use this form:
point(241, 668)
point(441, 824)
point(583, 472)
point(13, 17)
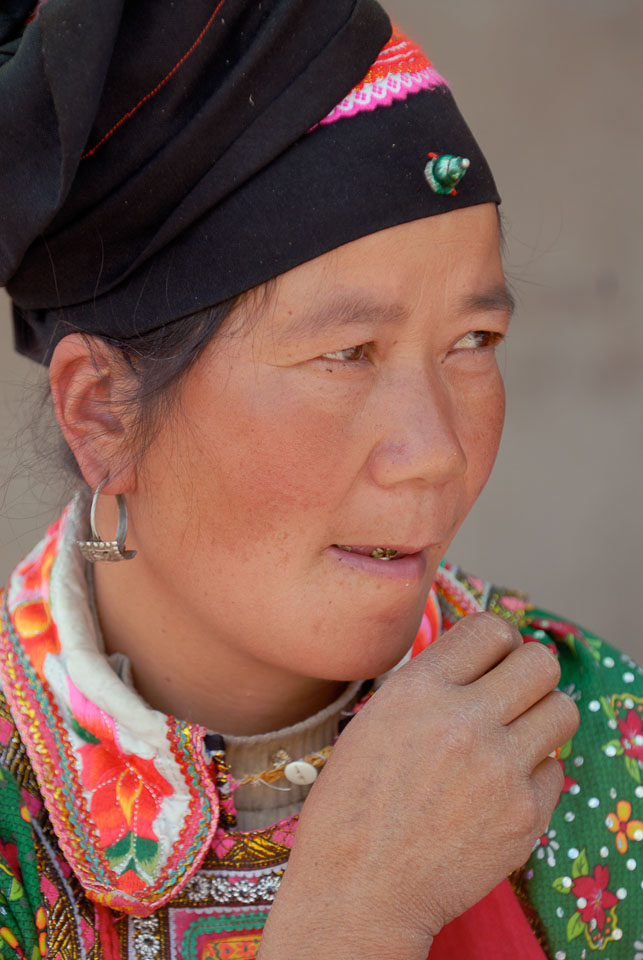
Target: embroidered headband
point(160, 158)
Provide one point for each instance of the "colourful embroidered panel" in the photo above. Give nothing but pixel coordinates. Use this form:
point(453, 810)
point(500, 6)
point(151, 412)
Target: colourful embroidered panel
point(134, 813)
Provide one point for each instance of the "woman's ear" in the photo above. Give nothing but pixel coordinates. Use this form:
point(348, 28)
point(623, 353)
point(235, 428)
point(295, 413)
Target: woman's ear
point(88, 383)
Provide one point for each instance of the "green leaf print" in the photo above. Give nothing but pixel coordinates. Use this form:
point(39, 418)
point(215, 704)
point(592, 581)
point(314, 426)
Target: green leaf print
point(146, 853)
point(16, 891)
point(580, 866)
point(139, 850)
point(119, 850)
point(594, 645)
point(633, 768)
point(607, 707)
point(614, 745)
point(82, 732)
point(565, 750)
point(575, 926)
point(559, 885)
point(570, 641)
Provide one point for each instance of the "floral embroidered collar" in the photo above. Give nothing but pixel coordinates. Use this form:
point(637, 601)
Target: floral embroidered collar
point(129, 790)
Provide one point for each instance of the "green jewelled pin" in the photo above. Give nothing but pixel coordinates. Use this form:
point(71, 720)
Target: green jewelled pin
point(445, 172)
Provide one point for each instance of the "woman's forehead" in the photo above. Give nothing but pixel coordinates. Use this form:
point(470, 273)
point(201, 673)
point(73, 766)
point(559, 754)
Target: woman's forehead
point(381, 276)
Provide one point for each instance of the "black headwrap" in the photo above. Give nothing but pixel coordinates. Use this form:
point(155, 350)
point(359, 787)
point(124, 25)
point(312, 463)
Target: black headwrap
point(161, 156)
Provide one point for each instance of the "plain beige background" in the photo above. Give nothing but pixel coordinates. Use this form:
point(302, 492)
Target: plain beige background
point(552, 89)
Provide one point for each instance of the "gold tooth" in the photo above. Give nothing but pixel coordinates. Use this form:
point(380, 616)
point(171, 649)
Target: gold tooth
point(384, 553)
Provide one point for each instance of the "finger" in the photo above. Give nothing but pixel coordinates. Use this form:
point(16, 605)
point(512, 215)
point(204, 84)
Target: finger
point(548, 780)
point(470, 648)
point(519, 681)
point(548, 724)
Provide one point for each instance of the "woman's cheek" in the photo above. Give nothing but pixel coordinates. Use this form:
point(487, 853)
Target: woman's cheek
point(278, 452)
point(481, 430)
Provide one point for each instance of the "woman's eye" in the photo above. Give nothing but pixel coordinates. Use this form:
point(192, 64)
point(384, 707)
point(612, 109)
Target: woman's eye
point(479, 340)
point(350, 355)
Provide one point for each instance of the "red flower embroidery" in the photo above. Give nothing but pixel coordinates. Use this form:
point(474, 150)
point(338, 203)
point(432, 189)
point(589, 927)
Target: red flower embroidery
point(632, 735)
point(559, 628)
point(597, 897)
point(126, 790)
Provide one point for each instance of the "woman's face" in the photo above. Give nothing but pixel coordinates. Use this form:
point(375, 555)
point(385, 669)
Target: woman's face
point(358, 405)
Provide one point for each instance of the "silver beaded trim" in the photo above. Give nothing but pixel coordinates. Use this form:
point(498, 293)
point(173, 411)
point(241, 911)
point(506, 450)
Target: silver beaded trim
point(145, 939)
point(219, 889)
point(145, 943)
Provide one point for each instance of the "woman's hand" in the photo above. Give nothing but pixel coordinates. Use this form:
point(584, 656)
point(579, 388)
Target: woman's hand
point(433, 794)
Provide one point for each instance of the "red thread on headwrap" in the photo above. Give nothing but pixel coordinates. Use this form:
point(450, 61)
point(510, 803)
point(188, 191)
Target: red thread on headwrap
point(34, 13)
point(148, 96)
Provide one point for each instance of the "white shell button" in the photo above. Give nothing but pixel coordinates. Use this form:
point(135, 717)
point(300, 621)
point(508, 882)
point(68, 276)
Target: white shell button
point(300, 772)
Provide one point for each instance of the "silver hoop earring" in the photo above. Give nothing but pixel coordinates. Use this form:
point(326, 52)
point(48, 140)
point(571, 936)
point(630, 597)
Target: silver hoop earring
point(99, 549)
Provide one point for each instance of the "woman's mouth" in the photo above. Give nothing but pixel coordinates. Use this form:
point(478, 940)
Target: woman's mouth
point(391, 562)
point(377, 553)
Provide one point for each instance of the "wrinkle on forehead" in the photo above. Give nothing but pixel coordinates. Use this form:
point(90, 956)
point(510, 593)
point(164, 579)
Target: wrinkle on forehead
point(343, 307)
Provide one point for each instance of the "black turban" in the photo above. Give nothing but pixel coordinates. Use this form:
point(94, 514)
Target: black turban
point(161, 156)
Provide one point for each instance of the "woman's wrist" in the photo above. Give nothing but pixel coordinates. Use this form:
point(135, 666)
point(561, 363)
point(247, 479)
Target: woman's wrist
point(320, 913)
point(309, 931)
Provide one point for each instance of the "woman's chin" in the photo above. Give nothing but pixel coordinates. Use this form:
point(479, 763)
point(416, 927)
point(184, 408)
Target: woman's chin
point(361, 655)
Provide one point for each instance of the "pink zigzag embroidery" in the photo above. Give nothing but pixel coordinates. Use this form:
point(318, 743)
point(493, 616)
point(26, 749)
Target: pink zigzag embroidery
point(383, 92)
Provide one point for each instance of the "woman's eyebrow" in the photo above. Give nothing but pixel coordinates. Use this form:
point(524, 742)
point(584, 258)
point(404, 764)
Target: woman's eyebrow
point(344, 309)
point(496, 298)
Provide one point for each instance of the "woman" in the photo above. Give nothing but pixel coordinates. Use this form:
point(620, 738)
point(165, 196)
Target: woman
point(260, 255)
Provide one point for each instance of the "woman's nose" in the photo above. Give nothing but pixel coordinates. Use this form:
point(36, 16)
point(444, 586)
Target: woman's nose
point(418, 440)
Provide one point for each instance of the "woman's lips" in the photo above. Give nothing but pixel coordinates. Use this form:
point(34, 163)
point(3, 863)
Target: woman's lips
point(408, 566)
point(380, 553)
